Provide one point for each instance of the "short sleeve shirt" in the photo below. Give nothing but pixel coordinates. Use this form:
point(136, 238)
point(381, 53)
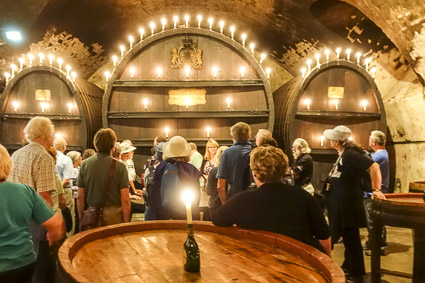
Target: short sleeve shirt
point(381, 157)
point(93, 177)
point(64, 166)
point(196, 160)
point(131, 169)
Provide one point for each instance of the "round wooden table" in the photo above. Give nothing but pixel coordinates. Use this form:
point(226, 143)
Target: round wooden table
point(399, 210)
point(153, 252)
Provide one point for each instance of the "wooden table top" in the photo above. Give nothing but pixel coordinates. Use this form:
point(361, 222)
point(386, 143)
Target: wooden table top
point(410, 199)
point(155, 254)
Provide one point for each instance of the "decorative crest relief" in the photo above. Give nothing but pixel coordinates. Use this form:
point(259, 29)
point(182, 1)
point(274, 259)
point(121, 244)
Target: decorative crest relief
point(187, 53)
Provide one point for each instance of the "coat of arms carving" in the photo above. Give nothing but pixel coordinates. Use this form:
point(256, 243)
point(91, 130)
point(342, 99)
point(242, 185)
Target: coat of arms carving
point(187, 53)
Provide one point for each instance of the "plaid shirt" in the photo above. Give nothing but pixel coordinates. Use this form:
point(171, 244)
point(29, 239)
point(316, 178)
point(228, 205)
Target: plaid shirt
point(33, 166)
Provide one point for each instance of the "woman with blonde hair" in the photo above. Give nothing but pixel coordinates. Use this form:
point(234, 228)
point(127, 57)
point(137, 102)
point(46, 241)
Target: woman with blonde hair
point(210, 157)
point(214, 201)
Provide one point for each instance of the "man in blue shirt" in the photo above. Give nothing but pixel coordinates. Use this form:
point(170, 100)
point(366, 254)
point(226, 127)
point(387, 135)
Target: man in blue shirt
point(233, 170)
point(377, 141)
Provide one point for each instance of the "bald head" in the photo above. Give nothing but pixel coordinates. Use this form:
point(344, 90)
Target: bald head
point(60, 144)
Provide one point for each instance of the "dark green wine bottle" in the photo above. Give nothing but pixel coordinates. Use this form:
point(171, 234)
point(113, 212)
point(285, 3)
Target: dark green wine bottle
point(192, 261)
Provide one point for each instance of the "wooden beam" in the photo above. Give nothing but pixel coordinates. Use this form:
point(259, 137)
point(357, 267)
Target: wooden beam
point(29, 116)
point(187, 83)
point(336, 114)
point(188, 114)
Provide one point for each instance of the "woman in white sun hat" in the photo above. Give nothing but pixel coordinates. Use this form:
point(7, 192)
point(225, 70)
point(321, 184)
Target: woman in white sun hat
point(127, 152)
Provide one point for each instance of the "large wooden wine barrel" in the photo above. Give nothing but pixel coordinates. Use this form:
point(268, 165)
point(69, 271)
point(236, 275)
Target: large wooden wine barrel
point(186, 105)
point(153, 252)
point(360, 108)
point(73, 106)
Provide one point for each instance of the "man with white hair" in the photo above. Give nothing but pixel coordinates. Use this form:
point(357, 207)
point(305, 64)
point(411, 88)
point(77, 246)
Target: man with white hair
point(33, 166)
point(302, 168)
point(64, 166)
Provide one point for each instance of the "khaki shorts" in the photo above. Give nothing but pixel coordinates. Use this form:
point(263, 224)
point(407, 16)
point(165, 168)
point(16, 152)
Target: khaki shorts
point(112, 215)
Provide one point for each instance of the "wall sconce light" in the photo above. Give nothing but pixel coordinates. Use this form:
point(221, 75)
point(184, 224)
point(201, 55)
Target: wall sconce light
point(307, 102)
point(15, 105)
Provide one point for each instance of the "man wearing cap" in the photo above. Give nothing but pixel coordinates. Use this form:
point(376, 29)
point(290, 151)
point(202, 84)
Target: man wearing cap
point(345, 198)
point(302, 168)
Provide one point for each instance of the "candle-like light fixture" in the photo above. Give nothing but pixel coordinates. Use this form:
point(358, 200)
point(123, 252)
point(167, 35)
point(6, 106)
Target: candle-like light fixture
point(43, 106)
point(243, 39)
point(166, 130)
point(7, 76)
point(307, 102)
point(41, 57)
point(208, 129)
point(131, 40)
point(188, 198)
point(145, 102)
point(242, 71)
point(73, 76)
point(15, 105)
point(187, 71)
point(152, 25)
point(228, 100)
point(60, 61)
point(58, 135)
point(21, 63)
point(232, 32)
point(187, 102)
point(348, 52)
point(30, 57)
point(13, 67)
point(351, 138)
point(322, 141)
point(221, 24)
point(70, 106)
point(215, 70)
point(268, 71)
point(122, 48)
point(373, 71)
point(262, 57)
point(107, 75)
point(252, 47)
point(199, 17)
point(175, 20)
point(336, 102)
point(317, 56)
point(159, 72)
point(338, 51)
point(68, 68)
point(327, 53)
point(186, 19)
point(163, 23)
point(142, 33)
point(303, 71)
point(132, 71)
point(309, 65)
point(367, 61)
point(51, 57)
point(115, 60)
point(358, 54)
point(210, 22)
point(364, 104)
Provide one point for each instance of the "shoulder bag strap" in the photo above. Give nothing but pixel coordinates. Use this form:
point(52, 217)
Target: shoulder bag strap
point(109, 180)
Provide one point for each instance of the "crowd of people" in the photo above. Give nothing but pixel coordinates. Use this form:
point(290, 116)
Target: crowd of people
point(252, 186)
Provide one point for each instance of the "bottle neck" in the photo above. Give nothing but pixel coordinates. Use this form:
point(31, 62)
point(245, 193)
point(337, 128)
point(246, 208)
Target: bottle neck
point(190, 230)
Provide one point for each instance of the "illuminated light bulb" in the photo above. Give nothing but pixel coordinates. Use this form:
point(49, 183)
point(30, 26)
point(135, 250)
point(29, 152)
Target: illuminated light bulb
point(221, 24)
point(338, 51)
point(132, 71)
point(41, 56)
point(7, 76)
point(21, 63)
point(322, 141)
point(309, 65)
point(268, 71)
point(243, 39)
point(73, 75)
point(373, 71)
point(350, 138)
point(187, 102)
point(175, 20)
point(15, 105)
point(68, 68)
point(187, 71)
point(228, 100)
point(263, 56)
point(107, 75)
point(30, 57)
point(307, 102)
point(58, 135)
point(336, 102)
point(152, 25)
point(51, 57)
point(186, 18)
point(208, 129)
point(364, 104)
point(252, 47)
point(70, 106)
point(163, 23)
point(242, 71)
point(159, 72)
point(122, 48)
point(348, 52)
point(215, 70)
point(115, 60)
point(317, 60)
point(142, 33)
point(303, 71)
point(166, 130)
point(199, 20)
point(131, 39)
point(367, 61)
point(145, 102)
point(13, 67)
point(232, 31)
point(43, 106)
point(211, 22)
point(60, 61)
point(358, 54)
point(327, 53)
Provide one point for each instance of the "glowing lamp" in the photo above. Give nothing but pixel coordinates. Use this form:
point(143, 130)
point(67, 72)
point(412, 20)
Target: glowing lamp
point(188, 198)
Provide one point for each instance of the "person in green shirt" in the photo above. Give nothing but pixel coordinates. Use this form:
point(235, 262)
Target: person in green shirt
point(19, 204)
